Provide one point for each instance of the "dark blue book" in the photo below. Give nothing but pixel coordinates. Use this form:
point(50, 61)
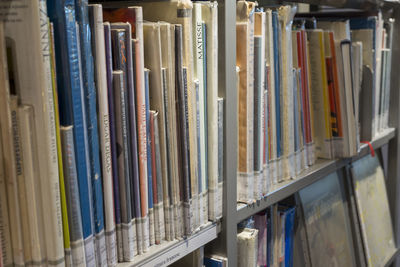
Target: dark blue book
point(213, 262)
point(82, 18)
point(276, 36)
point(72, 107)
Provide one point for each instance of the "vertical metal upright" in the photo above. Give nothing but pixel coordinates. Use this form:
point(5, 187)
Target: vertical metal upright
point(228, 90)
point(393, 182)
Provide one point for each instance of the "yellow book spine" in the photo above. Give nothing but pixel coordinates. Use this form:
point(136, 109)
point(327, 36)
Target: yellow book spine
point(328, 132)
point(67, 245)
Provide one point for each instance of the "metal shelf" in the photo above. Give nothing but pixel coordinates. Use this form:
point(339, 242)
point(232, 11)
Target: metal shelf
point(315, 172)
point(357, 4)
point(392, 258)
point(169, 252)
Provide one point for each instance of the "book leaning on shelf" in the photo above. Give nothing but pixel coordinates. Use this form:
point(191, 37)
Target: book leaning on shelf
point(103, 139)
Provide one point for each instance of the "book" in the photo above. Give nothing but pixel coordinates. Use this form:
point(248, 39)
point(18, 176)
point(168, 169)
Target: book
point(219, 193)
point(157, 179)
point(5, 235)
point(114, 161)
point(122, 126)
point(324, 207)
point(123, 61)
point(245, 61)
point(200, 73)
point(172, 212)
point(209, 14)
point(72, 196)
point(247, 247)
point(260, 223)
point(23, 226)
point(99, 52)
point(33, 214)
point(320, 97)
point(289, 236)
point(66, 235)
point(259, 80)
point(373, 210)
point(183, 133)
point(72, 108)
point(285, 17)
point(199, 158)
point(90, 99)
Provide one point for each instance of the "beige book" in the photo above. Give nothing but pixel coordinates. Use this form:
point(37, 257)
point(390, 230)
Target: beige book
point(245, 62)
point(34, 215)
point(180, 12)
point(25, 25)
point(285, 15)
point(247, 247)
point(210, 18)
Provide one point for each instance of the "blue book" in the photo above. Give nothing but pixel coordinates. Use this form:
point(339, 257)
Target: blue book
point(289, 233)
point(212, 262)
point(275, 28)
point(82, 17)
point(72, 107)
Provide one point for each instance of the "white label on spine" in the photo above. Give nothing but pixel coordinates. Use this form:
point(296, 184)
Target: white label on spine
point(120, 247)
point(111, 248)
point(101, 249)
point(245, 187)
point(273, 173)
point(265, 180)
point(68, 259)
point(151, 227)
point(201, 215)
point(134, 234)
point(257, 185)
point(180, 222)
point(89, 252)
point(78, 253)
point(279, 170)
point(299, 166)
point(145, 231)
point(167, 216)
point(128, 241)
point(172, 220)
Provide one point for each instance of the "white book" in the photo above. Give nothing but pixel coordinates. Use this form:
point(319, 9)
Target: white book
point(5, 235)
point(210, 18)
point(199, 30)
point(286, 15)
point(34, 214)
point(247, 247)
point(34, 88)
point(96, 22)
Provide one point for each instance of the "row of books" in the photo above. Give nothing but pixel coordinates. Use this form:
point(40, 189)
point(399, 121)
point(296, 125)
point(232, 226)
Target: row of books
point(319, 230)
point(111, 129)
point(308, 88)
point(266, 239)
point(199, 258)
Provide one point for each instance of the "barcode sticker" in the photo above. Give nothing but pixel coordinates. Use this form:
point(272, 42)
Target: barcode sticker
point(145, 231)
point(111, 240)
point(120, 246)
point(151, 227)
point(78, 253)
point(128, 241)
point(89, 252)
point(101, 249)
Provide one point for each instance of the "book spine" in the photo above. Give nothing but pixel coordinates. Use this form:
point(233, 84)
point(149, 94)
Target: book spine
point(99, 51)
point(114, 161)
point(23, 244)
point(258, 96)
point(149, 162)
point(67, 245)
point(56, 217)
point(141, 122)
point(31, 184)
point(72, 196)
point(120, 104)
point(134, 152)
point(152, 159)
point(219, 192)
point(72, 108)
point(159, 173)
point(81, 10)
point(187, 192)
point(199, 158)
point(5, 236)
point(200, 73)
point(172, 216)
